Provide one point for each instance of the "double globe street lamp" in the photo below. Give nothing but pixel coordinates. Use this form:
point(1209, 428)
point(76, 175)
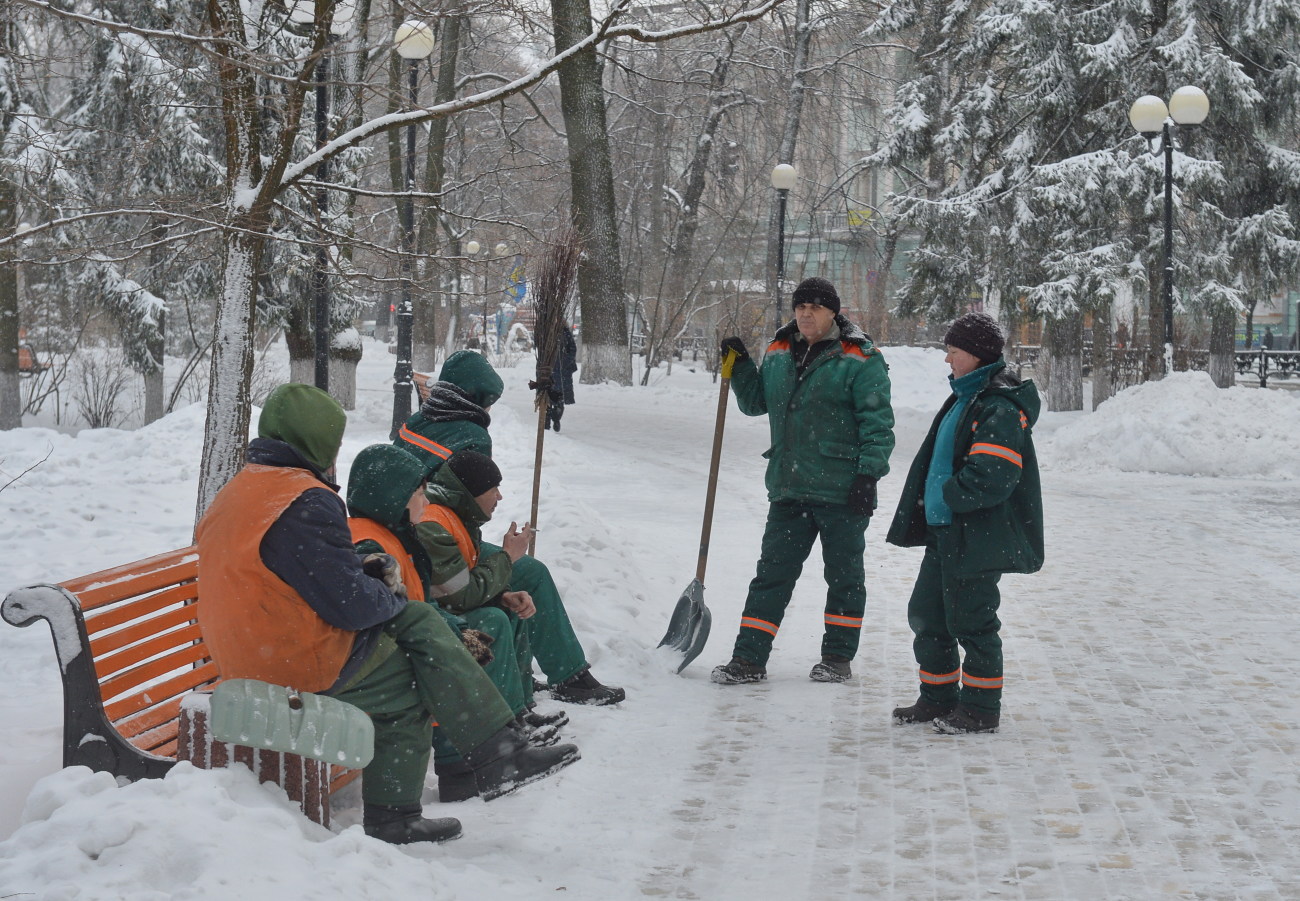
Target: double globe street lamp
point(1151, 118)
point(413, 41)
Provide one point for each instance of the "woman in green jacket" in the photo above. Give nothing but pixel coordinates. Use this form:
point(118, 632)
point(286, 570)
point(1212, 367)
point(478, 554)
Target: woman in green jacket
point(973, 500)
point(825, 389)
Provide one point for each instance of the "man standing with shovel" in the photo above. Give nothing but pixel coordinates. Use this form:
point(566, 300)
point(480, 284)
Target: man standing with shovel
point(825, 388)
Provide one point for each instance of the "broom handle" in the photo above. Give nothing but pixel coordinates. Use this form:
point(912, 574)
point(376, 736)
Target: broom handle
point(714, 460)
point(537, 470)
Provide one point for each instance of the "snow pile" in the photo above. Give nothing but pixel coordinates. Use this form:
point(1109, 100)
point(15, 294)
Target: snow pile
point(1185, 425)
point(88, 838)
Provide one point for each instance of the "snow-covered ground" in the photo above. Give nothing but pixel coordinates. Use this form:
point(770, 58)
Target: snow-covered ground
point(1151, 725)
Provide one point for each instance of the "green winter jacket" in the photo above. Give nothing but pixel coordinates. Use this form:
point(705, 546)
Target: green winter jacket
point(454, 416)
point(454, 584)
point(994, 491)
point(830, 424)
point(380, 484)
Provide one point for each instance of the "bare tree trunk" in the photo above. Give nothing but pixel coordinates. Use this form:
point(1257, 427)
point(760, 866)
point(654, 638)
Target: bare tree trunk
point(424, 351)
point(1223, 364)
point(11, 402)
point(877, 324)
point(1063, 348)
point(1102, 357)
point(229, 384)
point(591, 175)
point(785, 152)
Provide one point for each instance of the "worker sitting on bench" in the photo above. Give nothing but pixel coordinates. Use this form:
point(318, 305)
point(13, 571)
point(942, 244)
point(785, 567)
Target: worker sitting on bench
point(286, 601)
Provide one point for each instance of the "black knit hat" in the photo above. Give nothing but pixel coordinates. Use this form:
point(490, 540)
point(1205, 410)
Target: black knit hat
point(819, 291)
point(978, 334)
point(476, 471)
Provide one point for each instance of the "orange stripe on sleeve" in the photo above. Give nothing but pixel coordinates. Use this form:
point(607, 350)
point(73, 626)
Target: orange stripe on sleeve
point(423, 443)
point(997, 450)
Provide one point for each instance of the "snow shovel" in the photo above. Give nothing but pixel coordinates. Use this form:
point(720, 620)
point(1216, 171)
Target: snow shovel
point(688, 628)
point(262, 715)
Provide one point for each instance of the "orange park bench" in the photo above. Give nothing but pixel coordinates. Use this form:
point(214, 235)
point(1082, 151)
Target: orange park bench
point(137, 678)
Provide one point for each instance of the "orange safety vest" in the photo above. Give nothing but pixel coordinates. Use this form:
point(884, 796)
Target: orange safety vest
point(447, 518)
point(364, 529)
point(255, 625)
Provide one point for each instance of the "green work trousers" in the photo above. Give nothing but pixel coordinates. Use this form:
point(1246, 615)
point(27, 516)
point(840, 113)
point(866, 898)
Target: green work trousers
point(946, 611)
point(420, 672)
point(551, 639)
point(787, 541)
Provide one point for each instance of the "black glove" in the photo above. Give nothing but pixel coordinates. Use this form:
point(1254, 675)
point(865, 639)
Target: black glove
point(862, 495)
point(386, 569)
point(479, 645)
point(733, 343)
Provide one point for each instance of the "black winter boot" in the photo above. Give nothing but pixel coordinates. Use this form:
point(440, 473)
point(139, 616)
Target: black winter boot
point(831, 669)
point(537, 719)
point(584, 688)
point(507, 761)
point(738, 672)
point(542, 736)
point(922, 711)
point(405, 824)
point(455, 781)
point(967, 720)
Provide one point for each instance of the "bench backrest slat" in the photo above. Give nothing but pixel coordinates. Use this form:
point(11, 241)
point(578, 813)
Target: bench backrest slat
point(133, 579)
point(153, 726)
point(165, 689)
point(109, 616)
point(109, 665)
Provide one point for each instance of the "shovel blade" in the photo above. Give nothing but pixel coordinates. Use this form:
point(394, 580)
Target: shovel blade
point(688, 628)
point(262, 715)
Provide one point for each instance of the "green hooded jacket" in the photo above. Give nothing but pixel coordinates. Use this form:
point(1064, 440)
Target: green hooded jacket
point(454, 416)
point(828, 425)
point(453, 583)
point(994, 491)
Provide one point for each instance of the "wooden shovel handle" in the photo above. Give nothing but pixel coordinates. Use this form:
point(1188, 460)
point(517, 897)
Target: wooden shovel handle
point(729, 360)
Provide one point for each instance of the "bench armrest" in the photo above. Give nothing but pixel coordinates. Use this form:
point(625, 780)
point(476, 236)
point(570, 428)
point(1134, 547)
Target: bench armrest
point(89, 739)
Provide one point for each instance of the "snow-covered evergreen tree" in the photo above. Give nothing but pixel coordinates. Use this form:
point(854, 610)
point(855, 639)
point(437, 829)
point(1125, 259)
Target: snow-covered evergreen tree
point(1040, 190)
point(134, 112)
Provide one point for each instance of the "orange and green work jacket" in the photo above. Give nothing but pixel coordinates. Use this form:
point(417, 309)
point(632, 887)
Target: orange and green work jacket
point(450, 532)
point(284, 597)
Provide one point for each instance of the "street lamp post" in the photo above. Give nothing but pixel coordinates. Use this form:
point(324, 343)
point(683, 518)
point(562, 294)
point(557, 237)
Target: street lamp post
point(304, 12)
point(413, 41)
point(783, 178)
point(1150, 117)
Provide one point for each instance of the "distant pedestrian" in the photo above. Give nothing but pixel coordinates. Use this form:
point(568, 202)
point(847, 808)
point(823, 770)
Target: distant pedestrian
point(560, 393)
point(973, 500)
point(825, 389)
point(1267, 341)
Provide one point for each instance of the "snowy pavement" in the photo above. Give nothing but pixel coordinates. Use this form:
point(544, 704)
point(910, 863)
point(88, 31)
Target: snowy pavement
point(1148, 742)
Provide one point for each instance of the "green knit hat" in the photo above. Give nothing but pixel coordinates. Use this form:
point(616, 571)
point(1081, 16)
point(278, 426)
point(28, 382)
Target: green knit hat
point(381, 482)
point(306, 418)
point(473, 374)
